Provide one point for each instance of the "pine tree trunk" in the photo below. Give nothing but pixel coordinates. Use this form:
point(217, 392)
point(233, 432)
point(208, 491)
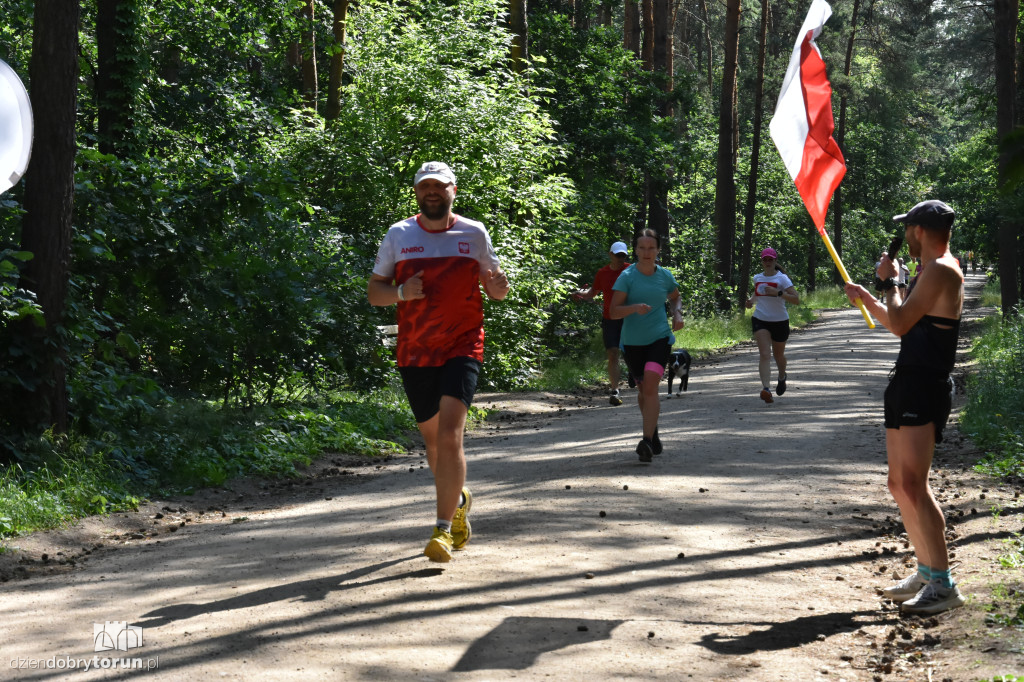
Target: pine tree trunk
point(1005, 22)
point(648, 36)
point(707, 41)
point(662, 15)
point(309, 75)
point(519, 51)
point(631, 27)
point(49, 199)
point(339, 27)
point(725, 181)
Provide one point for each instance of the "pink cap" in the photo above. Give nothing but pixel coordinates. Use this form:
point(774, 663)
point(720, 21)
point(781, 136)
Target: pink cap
point(769, 252)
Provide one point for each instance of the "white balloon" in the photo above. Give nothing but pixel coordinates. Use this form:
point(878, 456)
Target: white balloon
point(15, 127)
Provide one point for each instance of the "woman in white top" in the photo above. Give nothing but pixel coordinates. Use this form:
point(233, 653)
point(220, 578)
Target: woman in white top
point(770, 322)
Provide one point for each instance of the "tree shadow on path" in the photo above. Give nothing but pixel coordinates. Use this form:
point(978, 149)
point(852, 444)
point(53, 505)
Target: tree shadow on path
point(517, 641)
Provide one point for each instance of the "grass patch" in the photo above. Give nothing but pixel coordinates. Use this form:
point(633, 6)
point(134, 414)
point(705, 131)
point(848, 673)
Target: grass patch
point(187, 446)
point(1007, 607)
point(60, 491)
point(990, 294)
point(994, 414)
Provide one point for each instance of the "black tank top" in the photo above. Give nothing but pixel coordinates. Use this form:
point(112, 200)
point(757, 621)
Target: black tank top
point(928, 346)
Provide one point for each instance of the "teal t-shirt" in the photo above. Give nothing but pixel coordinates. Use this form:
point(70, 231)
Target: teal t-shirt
point(641, 330)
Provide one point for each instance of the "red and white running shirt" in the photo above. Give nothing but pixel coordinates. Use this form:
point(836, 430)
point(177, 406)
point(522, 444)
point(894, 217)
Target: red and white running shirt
point(449, 322)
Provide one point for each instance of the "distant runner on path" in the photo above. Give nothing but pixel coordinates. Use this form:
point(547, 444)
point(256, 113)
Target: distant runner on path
point(432, 266)
point(639, 300)
point(611, 330)
point(919, 397)
point(770, 322)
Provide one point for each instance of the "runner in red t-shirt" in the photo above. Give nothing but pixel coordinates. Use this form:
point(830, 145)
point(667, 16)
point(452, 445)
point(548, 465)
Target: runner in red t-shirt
point(433, 265)
point(610, 329)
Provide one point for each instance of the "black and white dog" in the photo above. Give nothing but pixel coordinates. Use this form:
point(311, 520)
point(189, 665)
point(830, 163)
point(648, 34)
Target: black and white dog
point(678, 367)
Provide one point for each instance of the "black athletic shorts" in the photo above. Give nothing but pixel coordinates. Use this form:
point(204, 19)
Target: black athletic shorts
point(916, 397)
point(611, 331)
point(638, 357)
point(424, 386)
point(779, 331)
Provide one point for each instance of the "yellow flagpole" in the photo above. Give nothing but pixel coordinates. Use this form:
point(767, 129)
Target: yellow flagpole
point(844, 275)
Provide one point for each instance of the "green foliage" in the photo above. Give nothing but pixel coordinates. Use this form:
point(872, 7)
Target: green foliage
point(181, 447)
point(60, 483)
point(222, 280)
point(15, 303)
point(425, 90)
point(994, 414)
point(200, 445)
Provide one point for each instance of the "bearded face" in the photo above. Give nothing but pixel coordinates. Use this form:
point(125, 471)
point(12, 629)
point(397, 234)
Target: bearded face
point(435, 198)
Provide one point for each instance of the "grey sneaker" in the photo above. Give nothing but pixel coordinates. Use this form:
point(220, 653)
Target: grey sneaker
point(933, 598)
point(906, 588)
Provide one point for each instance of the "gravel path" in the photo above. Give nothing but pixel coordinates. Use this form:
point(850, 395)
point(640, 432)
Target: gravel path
point(749, 550)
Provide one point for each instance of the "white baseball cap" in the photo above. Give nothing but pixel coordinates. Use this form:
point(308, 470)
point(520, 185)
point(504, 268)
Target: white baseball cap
point(619, 247)
point(434, 170)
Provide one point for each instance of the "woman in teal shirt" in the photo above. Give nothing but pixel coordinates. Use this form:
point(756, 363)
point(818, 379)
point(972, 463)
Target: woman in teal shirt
point(639, 300)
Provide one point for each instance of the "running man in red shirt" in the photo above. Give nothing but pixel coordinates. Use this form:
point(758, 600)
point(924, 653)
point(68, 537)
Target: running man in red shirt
point(433, 265)
point(611, 329)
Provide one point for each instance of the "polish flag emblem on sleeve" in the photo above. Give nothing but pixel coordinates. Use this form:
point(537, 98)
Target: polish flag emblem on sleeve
point(802, 125)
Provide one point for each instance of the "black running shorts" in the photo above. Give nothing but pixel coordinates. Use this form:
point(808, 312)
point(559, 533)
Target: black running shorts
point(916, 397)
point(611, 331)
point(637, 357)
point(779, 331)
point(424, 386)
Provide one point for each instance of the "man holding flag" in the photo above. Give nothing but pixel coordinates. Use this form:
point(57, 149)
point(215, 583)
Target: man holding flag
point(919, 396)
point(927, 319)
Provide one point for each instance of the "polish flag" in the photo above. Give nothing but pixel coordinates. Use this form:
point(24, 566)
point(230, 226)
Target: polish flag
point(802, 125)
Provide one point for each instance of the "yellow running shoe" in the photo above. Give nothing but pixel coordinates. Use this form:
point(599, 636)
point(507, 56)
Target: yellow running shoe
point(439, 549)
point(461, 530)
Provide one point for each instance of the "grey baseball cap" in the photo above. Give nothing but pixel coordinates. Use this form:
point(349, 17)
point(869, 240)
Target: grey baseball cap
point(434, 170)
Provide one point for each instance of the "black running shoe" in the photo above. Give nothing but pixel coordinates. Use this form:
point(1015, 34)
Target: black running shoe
point(656, 448)
point(643, 449)
point(781, 388)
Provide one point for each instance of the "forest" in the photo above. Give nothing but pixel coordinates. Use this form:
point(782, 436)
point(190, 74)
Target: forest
point(210, 181)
